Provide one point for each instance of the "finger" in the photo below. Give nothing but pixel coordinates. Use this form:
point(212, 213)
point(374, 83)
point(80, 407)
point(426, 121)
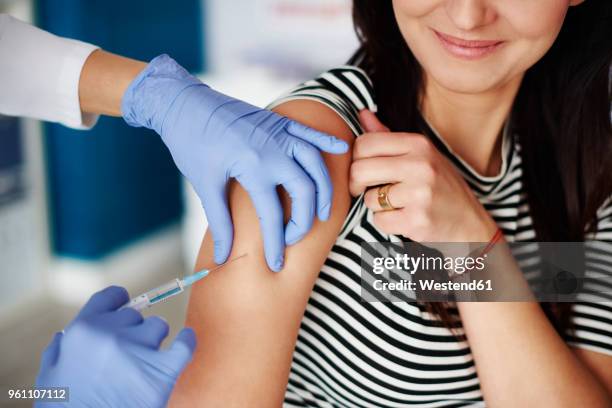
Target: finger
point(312, 162)
point(214, 201)
point(322, 141)
point(397, 195)
point(301, 190)
point(270, 214)
point(122, 318)
point(370, 122)
point(407, 194)
point(106, 300)
point(385, 144)
point(51, 353)
point(150, 333)
point(390, 222)
point(179, 354)
point(375, 171)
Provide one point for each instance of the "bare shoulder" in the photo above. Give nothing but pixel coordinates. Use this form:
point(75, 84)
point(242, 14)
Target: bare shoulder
point(317, 116)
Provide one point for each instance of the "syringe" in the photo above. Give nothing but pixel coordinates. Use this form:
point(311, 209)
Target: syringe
point(170, 289)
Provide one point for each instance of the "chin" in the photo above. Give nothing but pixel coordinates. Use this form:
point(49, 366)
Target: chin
point(465, 81)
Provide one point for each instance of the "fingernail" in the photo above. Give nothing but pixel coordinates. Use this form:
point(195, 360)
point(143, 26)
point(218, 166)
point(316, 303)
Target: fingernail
point(219, 260)
point(290, 237)
point(324, 212)
point(341, 144)
point(218, 253)
point(278, 265)
point(293, 240)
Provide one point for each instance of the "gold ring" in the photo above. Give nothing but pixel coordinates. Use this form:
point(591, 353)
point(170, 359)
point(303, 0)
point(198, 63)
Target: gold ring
point(383, 198)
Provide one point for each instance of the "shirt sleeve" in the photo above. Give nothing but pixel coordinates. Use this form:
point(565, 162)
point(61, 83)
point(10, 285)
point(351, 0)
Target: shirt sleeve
point(346, 90)
point(39, 74)
point(591, 315)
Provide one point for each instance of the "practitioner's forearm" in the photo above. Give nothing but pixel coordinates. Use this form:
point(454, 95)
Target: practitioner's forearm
point(104, 79)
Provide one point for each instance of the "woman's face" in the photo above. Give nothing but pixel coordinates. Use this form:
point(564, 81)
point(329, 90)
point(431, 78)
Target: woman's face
point(471, 46)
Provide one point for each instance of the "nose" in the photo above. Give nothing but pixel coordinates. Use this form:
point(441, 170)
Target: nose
point(470, 14)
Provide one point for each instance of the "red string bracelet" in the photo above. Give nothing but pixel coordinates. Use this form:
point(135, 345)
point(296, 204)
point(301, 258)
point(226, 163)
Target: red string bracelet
point(496, 238)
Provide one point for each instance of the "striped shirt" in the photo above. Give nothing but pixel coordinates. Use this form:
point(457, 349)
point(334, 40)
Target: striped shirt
point(351, 353)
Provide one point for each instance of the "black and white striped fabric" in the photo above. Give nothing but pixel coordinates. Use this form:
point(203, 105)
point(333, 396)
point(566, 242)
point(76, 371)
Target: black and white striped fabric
point(351, 353)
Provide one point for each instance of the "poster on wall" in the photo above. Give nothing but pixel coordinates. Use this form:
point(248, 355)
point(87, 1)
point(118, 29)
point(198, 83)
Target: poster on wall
point(293, 38)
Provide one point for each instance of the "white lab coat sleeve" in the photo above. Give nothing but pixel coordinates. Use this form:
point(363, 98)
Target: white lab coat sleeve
point(39, 74)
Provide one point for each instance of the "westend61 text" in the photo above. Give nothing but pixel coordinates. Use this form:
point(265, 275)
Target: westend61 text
point(430, 284)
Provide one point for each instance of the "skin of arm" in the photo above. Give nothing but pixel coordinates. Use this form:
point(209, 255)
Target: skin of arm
point(104, 79)
point(599, 364)
point(246, 318)
point(522, 361)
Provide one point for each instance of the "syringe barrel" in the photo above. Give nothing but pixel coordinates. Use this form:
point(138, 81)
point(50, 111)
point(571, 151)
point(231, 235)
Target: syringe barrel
point(159, 294)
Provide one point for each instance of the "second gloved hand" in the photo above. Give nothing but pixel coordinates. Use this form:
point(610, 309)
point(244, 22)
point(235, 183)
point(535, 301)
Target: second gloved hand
point(111, 358)
point(213, 137)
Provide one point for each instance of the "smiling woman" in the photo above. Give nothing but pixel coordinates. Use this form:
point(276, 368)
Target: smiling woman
point(469, 145)
point(471, 48)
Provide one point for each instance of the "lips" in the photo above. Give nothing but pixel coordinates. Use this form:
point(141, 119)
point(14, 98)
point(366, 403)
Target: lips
point(467, 49)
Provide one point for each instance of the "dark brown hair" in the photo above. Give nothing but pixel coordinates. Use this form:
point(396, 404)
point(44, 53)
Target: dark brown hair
point(561, 115)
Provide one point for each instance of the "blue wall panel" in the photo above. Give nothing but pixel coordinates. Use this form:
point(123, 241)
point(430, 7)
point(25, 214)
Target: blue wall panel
point(12, 167)
point(114, 184)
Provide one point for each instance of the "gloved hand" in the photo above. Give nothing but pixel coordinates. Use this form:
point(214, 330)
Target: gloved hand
point(213, 137)
point(111, 358)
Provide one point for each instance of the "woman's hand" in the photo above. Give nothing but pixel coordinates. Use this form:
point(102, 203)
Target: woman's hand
point(432, 201)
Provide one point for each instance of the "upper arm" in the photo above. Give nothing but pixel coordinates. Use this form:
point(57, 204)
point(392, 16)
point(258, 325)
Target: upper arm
point(246, 317)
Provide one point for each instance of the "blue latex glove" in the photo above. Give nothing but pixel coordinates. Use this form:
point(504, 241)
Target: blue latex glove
point(111, 358)
point(213, 137)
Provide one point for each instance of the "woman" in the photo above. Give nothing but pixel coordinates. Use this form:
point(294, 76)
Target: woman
point(517, 92)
